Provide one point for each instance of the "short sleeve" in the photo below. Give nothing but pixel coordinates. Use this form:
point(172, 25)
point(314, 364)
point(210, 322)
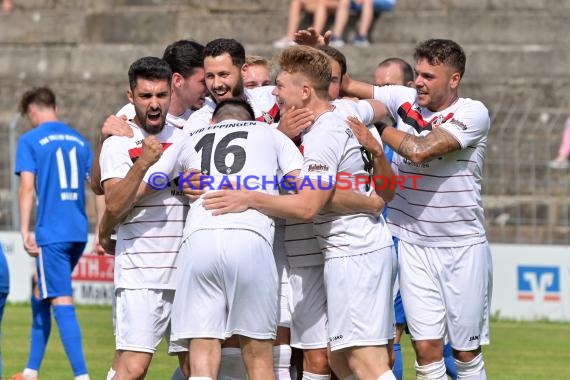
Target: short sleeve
point(470, 124)
point(25, 157)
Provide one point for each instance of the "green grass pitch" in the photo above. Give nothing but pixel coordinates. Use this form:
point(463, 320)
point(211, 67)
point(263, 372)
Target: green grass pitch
point(518, 350)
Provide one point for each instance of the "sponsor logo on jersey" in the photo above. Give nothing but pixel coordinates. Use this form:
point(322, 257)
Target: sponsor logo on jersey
point(539, 283)
point(458, 124)
point(318, 168)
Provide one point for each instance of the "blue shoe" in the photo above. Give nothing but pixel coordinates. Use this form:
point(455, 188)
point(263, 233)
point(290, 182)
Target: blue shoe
point(336, 42)
point(361, 41)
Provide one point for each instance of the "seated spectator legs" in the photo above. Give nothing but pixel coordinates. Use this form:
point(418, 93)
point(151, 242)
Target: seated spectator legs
point(561, 161)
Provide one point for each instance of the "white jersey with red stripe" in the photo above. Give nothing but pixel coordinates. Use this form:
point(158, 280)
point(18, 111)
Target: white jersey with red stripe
point(329, 148)
point(258, 153)
point(128, 110)
point(261, 99)
point(443, 207)
point(149, 237)
point(300, 242)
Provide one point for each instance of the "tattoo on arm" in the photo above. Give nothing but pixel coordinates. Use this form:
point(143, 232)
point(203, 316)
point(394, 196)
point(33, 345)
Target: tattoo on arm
point(425, 148)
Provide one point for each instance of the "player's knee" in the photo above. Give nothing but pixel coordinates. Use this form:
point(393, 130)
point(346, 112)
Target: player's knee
point(316, 361)
point(135, 370)
point(471, 368)
point(466, 356)
point(428, 351)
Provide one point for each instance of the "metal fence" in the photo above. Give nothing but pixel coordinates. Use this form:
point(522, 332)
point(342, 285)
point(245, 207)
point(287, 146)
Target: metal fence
point(525, 201)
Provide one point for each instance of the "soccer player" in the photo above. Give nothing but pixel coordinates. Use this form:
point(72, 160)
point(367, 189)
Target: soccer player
point(256, 72)
point(150, 230)
point(188, 92)
point(228, 282)
point(445, 262)
point(355, 245)
point(53, 162)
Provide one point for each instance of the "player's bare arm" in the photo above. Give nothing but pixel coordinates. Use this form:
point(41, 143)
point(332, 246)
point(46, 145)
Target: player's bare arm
point(113, 126)
point(304, 205)
point(120, 193)
point(421, 149)
point(350, 202)
point(26, 194)
point(355, 88)
point(381, 166)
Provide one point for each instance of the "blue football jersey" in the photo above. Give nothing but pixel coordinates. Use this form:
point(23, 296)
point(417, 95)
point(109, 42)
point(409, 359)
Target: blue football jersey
point(60, 158)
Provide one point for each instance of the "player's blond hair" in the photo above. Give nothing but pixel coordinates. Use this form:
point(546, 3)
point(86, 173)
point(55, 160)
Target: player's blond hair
point(311, 63)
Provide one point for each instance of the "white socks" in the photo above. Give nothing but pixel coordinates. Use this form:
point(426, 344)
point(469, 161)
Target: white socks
point(473, 370)
point(282, 362)
point(432, 371)
point(30, 374)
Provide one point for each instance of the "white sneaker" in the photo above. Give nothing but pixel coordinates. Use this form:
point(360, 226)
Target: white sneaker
point(283, 42)
point(559, 164)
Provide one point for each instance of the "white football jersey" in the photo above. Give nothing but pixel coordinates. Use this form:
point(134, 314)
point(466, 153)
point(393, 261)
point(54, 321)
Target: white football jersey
point(329, 148)
point(442, 207)
point(300, 242)
point(149, 237)
point(245, 154)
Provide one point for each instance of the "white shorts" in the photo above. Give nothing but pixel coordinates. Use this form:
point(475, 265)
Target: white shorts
point(227, 284)
point(308, 304)
point(360, 309)
point(142, 318)
point(284, 314)
point(446, 290)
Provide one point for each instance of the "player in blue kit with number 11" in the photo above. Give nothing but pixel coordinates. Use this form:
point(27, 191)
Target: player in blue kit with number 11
point(53, 161)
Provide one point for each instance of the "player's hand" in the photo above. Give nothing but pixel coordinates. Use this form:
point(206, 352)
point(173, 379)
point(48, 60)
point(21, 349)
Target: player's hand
point(193, 189)
point(30, 244)
point(116, 126)
point(376, 203)
point(107, 244)
point(227, 201)
point(364, 136)
point(97, 248)
point(311, 37)
point(151, 150)
point(294, 121)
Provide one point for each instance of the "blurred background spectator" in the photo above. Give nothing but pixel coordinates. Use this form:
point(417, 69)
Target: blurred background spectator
point(367, 9)
point(318, 8)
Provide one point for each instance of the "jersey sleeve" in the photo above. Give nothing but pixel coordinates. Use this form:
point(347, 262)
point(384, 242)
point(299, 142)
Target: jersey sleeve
point(321, 149)
point(127, 110)
point(288, 155)
point(25, 157)
point(114, 159)
point(470, 124)
point(393, 97)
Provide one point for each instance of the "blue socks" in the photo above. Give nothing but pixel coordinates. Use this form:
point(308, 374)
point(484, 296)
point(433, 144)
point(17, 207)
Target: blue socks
point(41, 328)
point(70, 337)
point(450, 367)
point(398, 368)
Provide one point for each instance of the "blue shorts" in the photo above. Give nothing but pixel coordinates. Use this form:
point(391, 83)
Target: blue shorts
point(54, 265)
point(398, 306)
point(3, 297)
point(379, 6)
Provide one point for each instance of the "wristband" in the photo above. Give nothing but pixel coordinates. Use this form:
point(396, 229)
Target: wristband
point(380, 127)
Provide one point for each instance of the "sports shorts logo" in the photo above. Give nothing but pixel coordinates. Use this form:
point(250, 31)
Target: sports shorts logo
point(539, 283)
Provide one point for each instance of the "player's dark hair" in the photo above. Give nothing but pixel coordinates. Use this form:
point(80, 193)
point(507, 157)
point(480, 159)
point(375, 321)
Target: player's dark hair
point(234, 108)
point(184, 57)
point(41, 96)
point(405, 67)
point(151, 68)
point(441, 51)
point(336, 55)
point(230, 46)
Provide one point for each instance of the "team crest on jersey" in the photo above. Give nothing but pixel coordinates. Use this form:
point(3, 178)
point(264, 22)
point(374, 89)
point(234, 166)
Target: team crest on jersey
point(438, 121)
point(267, 117)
